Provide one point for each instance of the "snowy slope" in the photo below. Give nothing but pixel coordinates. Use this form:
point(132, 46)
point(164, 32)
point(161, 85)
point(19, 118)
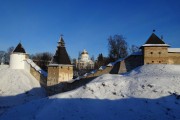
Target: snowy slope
point(17, 87)
point(149, 92)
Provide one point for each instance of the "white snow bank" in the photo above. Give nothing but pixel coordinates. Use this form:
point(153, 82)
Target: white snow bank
point(17, 87)
point(148, 92)
point(36, 67)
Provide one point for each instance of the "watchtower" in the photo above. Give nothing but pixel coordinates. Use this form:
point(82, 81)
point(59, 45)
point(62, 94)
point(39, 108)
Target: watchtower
point(60, 68)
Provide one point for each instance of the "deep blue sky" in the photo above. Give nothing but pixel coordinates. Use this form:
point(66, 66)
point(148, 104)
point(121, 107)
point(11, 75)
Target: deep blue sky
point(86, 24)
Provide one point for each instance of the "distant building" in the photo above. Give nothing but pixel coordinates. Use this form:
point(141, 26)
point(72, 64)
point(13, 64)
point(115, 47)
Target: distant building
point(154, 51)
point(19, 60)
point(84, 62)
point(60, 69)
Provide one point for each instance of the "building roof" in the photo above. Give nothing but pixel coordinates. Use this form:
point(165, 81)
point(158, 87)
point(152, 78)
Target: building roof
point(61, 55)
point(84, 52)
point(154, 40)
point(176, 50)
point(156, 45)
point(137, 53)
point(19, 48)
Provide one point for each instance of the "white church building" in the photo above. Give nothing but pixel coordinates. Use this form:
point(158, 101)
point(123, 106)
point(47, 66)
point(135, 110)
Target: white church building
point(84, 61)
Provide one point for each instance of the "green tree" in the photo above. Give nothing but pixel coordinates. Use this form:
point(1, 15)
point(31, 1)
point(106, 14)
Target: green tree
point(101, 61)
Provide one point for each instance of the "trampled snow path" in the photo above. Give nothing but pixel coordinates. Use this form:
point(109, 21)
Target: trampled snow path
point(17, 87)
point(149, 92)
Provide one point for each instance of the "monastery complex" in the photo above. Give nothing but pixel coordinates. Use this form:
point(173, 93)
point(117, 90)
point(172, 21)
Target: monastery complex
point(154, 51)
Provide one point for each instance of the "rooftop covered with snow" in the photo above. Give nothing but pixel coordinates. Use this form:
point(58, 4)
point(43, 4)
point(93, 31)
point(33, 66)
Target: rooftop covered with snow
point(177, 50)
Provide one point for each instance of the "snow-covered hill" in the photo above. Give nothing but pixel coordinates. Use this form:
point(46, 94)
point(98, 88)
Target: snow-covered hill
point(17, 87)
point(149, 92)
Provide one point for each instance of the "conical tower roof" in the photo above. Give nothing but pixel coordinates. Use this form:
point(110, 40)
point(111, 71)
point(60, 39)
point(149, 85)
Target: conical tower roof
point(19, 48)
point(61, 55)
point(153, 39)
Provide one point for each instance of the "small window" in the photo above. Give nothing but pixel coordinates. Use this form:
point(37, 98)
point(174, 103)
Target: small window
point(152, 61)
point(151, 52)
point(159, 61)
point(61, 67)
point(159, 52)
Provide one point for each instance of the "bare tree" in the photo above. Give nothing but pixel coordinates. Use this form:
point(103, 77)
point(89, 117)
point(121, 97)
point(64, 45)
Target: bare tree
point(8, 53)
point(2, 56)
point(117, 47)
point(42, 59)
point(92, 58)
point(133, 49)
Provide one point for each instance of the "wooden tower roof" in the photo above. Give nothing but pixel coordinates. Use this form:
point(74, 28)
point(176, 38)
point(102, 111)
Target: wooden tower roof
point(153, 39)
point(61, 55)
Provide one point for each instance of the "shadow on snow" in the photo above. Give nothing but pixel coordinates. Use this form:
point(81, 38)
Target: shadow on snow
point(165, 108)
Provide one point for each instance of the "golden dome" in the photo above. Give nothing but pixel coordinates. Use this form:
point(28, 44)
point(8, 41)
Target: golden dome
point(84, 52)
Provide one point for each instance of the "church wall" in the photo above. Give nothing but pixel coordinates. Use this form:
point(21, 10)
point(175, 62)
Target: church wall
point(155, 55)
point(123, 67)
point(65, 73)
point(42, 80)
point(85, 65)
point(57, 74)
point(127, 64)
point(53, 74)
point(100, 72)
point(174, 58)
point(132, 62)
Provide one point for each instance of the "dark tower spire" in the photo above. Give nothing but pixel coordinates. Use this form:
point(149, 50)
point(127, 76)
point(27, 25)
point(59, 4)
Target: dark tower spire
point(61, 55)
point(61, 42)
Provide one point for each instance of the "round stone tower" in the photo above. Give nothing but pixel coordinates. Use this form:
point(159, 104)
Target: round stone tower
point(18, 57)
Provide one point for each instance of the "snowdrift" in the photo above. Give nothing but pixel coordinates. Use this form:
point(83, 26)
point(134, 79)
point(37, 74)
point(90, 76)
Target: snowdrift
point(17, 87)
point(149, 92)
